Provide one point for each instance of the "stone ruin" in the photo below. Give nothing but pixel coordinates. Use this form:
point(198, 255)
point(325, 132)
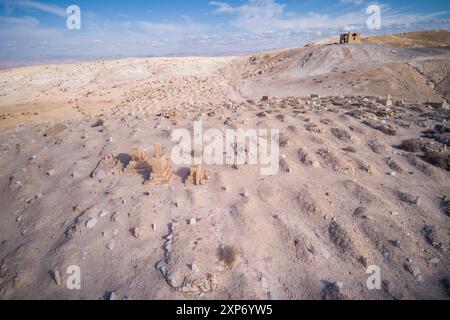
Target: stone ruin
point(139, 161)
point(197, 176)
point(161, 171)
point(438, 105)
point(351, 37)
point(106, 167)
point(156, 169)
point(386, 101)
point(190, 269)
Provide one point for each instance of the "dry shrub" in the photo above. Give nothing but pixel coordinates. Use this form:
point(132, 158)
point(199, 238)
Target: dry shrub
point(284, 140)
point(228, 255)
point(387, 131)
point(411, 145)
point(437, 160)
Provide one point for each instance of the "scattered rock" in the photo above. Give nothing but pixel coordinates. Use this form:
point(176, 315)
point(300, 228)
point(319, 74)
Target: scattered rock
point(395, 243)
point(137, 233)
point(23, 229)
point(84, 254)
point(408, 198)
point(341, 134)
point(311, 127)
point(307, 158)
point(339, 237)
point(336, 163)
point(363, 261)
point(413, 269)
point(434, 261)
point(360, 212)
point(325, 253)
point(386, 129)
point(99, 175)
point(194, 268)
point(445, 206)
point(385, 101)
point(281, 117)
point(350, 149)
point(306, 203)
point(420, 165)
point(376, 146)
point(103, 213)
point(75, 175)
point(432, 236)
point(91, 223)
point(264, 282)
point(394, 166)
point(106, 167)
point(446, 285)
point(112, 296)
point(284, 165)
point(98, 123)
point(110, 244)
point(284, 140)
point(332, 291)
point(56, 277)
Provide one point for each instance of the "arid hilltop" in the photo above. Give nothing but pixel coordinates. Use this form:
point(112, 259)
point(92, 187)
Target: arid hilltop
point(417, 71)
point(363, 180)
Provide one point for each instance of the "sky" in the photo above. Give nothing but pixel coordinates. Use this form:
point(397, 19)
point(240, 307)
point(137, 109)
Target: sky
point(37, 29)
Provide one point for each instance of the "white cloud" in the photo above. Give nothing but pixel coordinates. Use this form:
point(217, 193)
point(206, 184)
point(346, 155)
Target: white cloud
point(222, 7)
point(28, 4)
point(170, 29)
point(269, 15)
point(401, 19)
point(357, 2)
point(259, 15)
point(250, 26)
point(22, 21)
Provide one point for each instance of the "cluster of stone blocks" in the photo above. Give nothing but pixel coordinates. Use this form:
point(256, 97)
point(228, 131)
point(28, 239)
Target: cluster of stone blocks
point(161, 171)
point(159, 168)
point(198, 176)
point(139, 161)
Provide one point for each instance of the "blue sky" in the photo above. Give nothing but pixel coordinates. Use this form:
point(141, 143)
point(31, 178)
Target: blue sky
point(36, 29)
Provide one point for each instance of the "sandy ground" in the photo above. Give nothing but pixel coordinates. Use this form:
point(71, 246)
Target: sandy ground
point(348, 194)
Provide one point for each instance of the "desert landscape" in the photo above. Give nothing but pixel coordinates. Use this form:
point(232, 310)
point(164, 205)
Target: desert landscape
point(363, 179)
